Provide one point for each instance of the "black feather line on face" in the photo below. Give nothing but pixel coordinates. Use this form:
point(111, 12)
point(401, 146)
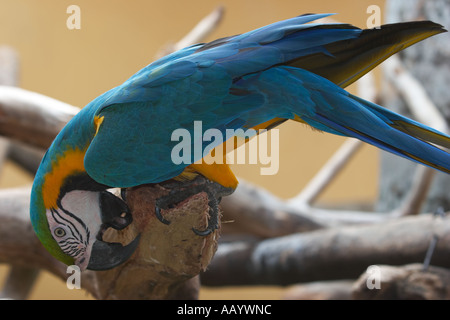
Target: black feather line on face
point(80, 181)
point(63, 221)
point(70, 245)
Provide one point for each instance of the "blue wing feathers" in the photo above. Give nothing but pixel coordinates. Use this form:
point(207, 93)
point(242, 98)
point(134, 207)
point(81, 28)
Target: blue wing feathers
point(334, 110)
point(250, 52)
point(239, 81)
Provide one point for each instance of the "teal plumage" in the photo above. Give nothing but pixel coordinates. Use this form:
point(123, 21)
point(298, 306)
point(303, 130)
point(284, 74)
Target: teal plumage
point(287, 70)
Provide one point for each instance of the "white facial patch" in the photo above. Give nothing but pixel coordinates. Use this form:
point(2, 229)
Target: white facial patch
point(85, 205)
point(75, 224)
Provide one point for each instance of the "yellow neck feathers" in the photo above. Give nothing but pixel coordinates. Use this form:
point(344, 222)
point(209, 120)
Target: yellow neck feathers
point(69, 163)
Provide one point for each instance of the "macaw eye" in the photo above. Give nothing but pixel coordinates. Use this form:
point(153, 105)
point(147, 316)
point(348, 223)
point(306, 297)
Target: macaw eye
point(59, 232)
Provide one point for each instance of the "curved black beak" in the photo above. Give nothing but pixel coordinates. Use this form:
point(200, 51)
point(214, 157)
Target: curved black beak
point(115, 214)
point(105, 256)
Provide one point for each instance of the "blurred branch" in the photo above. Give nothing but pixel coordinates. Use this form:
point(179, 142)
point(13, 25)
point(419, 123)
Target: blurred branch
point(255, 211)
point(409, 282)
point(320, 290)
point(414, 94)
point(9, 66)
point(19, 246)
point(406, 282)
point(424, 110)
point(326, 174)
point(411, 205)
point(9, 73)
point(328, 254)
point(203, 29)
point(19, 283)
point(28, 157)
point(20, 280)
point(32, 117)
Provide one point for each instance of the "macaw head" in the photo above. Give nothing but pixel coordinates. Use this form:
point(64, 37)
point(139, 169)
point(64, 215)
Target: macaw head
point(70, 212)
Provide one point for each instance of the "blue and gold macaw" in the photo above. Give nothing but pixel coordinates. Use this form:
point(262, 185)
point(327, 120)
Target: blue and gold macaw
point(291, 69)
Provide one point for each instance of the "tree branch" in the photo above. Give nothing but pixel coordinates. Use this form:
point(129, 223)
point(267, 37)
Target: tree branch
point(327, 173)
point(31, 117)
point(414, 94)
point(19, 282)
point(328, 254)
point(423, 108)
point(408, 282)
point(202, 30)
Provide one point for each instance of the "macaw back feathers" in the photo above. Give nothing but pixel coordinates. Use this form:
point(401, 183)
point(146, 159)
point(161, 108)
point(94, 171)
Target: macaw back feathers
point(252, 80)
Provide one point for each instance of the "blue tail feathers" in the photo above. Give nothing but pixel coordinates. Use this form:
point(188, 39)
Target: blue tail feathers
point(291, 92)
point(354, 117)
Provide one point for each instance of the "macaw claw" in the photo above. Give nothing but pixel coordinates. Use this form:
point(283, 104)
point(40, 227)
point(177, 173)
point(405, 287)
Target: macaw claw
point(181, 191)
point(213, 222)
point(159, 215)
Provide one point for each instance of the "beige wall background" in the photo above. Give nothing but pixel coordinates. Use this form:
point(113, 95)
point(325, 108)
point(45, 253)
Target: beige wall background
point(119, 37)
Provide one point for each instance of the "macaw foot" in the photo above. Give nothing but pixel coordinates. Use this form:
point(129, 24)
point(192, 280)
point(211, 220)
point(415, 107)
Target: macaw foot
point(213, 221)
point(179, 191)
